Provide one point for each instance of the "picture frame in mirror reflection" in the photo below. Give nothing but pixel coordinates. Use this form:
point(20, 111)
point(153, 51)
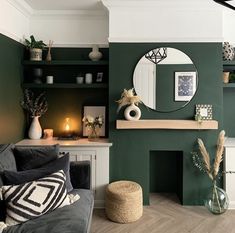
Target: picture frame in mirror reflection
point(185, 85)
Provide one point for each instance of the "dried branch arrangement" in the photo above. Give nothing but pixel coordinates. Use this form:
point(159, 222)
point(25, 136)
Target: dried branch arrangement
point(203, 162)
point(34, 106)
point(128, 97)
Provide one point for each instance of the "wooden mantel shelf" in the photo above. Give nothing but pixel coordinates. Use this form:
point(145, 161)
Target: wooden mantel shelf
point(167, 124)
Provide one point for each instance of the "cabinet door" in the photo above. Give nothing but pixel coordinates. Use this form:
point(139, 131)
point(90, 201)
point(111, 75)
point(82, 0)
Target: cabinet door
point(82, 155)
point(229, 178)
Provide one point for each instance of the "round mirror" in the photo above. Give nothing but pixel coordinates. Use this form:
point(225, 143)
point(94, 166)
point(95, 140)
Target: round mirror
point(165, 79)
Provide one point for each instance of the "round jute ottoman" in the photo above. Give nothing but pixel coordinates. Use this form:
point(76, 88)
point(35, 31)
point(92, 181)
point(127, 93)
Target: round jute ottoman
point(124, 201)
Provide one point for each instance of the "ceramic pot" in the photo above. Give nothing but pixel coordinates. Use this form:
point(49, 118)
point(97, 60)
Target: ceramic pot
point(35, 130)
point(35, 54)
point(226, 77)
point(228, 52)
point(132, 113)
point(95, 54)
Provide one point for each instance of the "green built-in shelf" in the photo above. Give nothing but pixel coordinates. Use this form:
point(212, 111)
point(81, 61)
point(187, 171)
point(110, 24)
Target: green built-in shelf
point(65, 62)
point(65, 85)
point(229, 85)
point(229, 63)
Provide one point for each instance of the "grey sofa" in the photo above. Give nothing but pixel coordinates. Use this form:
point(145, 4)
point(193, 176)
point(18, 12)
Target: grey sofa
point(75, 218)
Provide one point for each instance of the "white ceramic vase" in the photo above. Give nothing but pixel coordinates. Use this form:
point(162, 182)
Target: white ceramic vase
point(95, 54)
point(132, 109)
point(35, 130)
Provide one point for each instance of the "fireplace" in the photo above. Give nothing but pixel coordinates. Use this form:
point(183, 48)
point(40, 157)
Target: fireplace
point(166, 172)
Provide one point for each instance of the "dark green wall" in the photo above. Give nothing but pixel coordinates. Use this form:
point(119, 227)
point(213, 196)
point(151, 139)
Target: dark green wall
point(11, 114)
point(130, 153)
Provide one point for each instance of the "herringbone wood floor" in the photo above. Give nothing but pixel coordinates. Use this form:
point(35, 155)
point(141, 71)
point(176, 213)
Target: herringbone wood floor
point(166, 215)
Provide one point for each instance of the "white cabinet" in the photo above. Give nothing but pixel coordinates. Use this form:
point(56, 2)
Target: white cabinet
point(96, 152)
point(229, 167)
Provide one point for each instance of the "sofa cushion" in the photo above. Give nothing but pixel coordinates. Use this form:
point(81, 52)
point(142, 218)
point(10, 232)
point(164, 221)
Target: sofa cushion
point(62, 163)
point(34, 157)
point(74, 218)
point(7, 158)
point(33, 199)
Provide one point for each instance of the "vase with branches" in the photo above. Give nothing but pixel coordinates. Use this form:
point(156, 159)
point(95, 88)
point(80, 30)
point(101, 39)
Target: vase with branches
point(128, 97)
point(36, 107)
point(217, 200)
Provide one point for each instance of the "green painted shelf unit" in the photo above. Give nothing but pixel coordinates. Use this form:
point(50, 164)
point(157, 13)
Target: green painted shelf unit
point(65, 73)
point(65, 85)
point(65, 62)
point(230, 67)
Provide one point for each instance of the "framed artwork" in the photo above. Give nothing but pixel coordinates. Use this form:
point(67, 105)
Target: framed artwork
point(204, 111)
point(94, 111)
point(185, 85)
point(99, 77)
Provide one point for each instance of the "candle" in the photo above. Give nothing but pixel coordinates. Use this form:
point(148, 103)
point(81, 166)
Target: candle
point(48, 133)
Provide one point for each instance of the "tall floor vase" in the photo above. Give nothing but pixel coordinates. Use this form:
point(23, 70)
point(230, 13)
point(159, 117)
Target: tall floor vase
point(35, 129)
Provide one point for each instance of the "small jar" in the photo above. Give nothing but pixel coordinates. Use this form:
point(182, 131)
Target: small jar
point(88, 78)
point(79, 79)
point(49, 79)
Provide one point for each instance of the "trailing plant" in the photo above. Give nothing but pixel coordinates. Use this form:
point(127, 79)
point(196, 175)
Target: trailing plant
point(34, 44)
point(35, 106)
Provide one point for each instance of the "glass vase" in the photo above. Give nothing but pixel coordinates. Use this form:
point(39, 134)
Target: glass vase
point(217, 200)
point(93, 133)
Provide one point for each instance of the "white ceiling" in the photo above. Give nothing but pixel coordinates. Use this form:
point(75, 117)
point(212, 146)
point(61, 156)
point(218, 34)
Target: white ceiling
point(65, 4)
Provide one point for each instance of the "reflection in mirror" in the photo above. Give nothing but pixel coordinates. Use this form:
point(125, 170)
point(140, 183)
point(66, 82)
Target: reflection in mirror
point(165, 83)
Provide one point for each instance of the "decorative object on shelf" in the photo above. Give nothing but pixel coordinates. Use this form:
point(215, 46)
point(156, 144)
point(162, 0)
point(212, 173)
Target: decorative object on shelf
point(156, 55)
point(228, 52)
point(93, 124)
point(204, 111)
point(37, 74)
point(35, 129)
point(185, 85)
point(129, 98)
point(217, 199)
point(35, 48)
point(99, 77)
point(48, 134)
point(226, 77)
point(48, 57)
point(95, 54)
point(49, 79)
point(94, 111)
point(88, 78)
point(79, 79)
point(68, 133)
point(36, 107)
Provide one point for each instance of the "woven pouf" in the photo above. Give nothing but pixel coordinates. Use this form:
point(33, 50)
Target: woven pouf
point(124, 201)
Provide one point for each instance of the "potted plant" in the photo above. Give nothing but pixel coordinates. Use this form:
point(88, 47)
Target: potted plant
point(35, 48)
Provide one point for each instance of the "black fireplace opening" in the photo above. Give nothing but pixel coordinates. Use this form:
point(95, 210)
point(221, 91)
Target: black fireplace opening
point(166, 172)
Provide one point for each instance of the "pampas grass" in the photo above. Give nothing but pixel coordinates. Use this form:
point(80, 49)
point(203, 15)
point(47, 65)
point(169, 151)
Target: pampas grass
point(128, 97)
point(213, 170)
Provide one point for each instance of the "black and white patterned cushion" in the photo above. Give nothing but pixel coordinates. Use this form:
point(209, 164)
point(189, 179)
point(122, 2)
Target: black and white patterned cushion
point(33, 199)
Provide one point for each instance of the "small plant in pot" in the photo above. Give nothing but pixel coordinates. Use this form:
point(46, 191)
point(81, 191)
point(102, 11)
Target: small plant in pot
point(35, 48)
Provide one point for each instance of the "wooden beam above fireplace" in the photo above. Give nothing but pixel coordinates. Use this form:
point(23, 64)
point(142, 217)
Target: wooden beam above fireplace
point(167, 124)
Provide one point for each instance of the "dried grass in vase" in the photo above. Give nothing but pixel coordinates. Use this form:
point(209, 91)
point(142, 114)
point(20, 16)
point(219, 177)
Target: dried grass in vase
point(203, 162)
